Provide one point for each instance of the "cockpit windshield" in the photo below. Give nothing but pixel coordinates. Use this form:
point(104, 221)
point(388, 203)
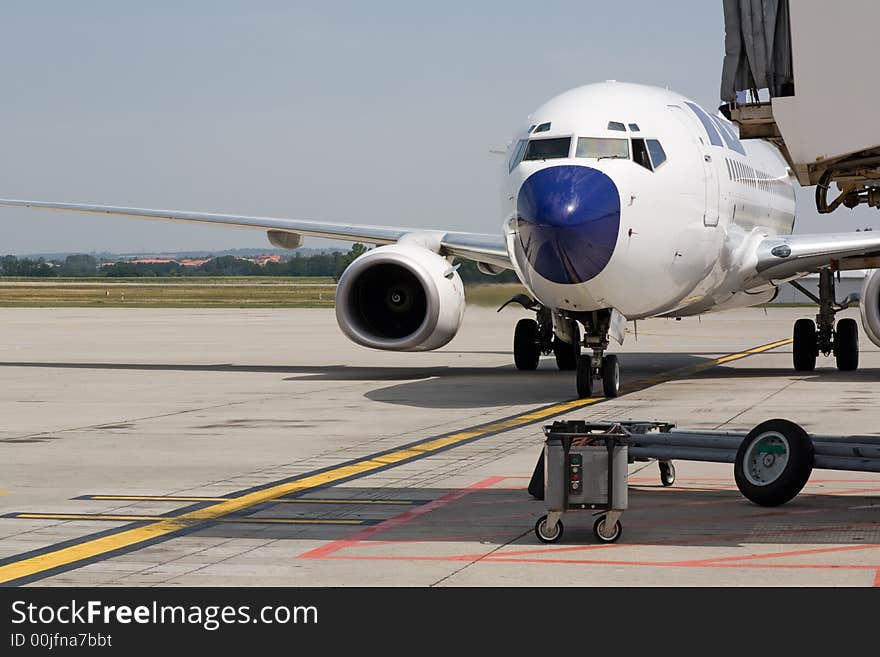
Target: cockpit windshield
point(548, 149)
point(600, 147)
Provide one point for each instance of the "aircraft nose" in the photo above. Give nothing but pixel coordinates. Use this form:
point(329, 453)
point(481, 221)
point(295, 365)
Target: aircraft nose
point(568, 218)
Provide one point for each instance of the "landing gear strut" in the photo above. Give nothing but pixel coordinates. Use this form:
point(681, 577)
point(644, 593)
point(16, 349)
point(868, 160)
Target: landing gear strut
point(533, 338)
point(812, 338)
point(597, 366)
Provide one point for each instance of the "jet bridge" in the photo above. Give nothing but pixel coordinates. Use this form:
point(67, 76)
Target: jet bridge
point(803, 75)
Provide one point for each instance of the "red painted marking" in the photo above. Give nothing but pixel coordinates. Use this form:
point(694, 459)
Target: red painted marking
point(877, 578)
point(334, 546)
point(777, 555)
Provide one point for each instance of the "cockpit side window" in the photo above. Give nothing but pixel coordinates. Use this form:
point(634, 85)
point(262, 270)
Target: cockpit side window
point(599, 147)
point(517, 155)
point(548, 149)
point(640, 154)
point(658, 155)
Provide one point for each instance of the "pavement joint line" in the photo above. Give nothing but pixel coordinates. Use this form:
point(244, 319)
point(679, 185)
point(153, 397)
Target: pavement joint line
point(138, 518)
point(57, 558)
point(295, 500)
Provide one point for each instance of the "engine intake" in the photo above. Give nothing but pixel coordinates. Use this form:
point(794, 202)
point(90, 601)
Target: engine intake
point(870, 306)
point(401, 297)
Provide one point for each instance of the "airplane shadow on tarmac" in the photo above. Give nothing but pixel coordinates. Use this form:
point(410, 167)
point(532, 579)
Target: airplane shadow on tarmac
point(478, 387)
point(704, 516)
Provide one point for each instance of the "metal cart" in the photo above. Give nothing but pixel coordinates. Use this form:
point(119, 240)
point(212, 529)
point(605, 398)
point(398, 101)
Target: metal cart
point(585, 467)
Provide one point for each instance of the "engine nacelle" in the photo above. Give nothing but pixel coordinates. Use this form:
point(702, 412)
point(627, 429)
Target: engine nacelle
point(401, 297)
point(870, 306)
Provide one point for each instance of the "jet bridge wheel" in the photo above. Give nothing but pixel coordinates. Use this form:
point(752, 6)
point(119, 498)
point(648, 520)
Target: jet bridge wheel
point(773, 462)
point(846, 345)
point(804, 345)
point(526, 352)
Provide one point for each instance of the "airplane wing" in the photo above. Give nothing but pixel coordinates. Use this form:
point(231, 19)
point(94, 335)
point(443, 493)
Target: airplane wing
point(788, 256)
point(489, 249)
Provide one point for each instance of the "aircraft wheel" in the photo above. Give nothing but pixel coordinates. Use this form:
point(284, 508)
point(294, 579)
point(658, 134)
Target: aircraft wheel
point(567, 353)
point(804, 346)
point(610, 376)
point(846, 345)
point(584, 377)
point(773, 462)
point(526, 353)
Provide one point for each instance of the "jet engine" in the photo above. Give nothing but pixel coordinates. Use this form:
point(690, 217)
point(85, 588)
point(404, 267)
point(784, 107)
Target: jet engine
point(401, 297)
point(870, 306)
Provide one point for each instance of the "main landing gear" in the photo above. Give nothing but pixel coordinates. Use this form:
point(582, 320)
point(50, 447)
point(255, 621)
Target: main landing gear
point(533, 338)
point(811, 338)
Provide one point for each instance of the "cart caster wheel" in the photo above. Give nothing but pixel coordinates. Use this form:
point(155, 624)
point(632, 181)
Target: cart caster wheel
point(546, 536)
point(602, 533)
point(667, 473)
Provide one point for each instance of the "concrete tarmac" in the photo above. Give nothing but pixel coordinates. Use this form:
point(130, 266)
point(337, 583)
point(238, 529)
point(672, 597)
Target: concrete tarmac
point(260, 447)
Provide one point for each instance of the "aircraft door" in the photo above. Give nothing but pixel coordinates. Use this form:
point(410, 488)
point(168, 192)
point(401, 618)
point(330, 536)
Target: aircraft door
point(712, 192)
point(706, 166)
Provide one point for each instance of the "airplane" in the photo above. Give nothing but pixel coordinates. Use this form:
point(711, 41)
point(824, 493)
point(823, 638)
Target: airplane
point(621, 202)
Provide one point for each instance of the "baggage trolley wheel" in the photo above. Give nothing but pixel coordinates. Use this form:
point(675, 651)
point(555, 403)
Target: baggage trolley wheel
point(544, 534)
point(667, 473)
point(603, 534)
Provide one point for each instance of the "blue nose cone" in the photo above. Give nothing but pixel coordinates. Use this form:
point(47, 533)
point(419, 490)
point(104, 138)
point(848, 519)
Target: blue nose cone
point(568, 218)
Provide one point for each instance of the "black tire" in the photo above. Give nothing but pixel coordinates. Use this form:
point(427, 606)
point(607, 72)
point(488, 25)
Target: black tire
point(610, 376)
point(526, 353)
point(567, 353)
point(804, 345)
point(584, 377)
point(541, 531)
point(757, 480)
point(846, 345)
point(536, 483)
point(667, 473)
point(600, 533)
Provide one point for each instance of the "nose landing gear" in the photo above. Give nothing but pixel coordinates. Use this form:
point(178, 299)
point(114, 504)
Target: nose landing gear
point(812, 338)
point(589, 372)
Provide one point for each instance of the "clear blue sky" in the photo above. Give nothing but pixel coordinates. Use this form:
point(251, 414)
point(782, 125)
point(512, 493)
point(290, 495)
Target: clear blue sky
point(373, 112)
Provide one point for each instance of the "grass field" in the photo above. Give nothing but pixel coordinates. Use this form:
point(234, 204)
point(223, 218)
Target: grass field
point(178, 292)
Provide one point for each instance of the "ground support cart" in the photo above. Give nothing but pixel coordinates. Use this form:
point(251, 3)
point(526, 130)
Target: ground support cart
point(585, 468)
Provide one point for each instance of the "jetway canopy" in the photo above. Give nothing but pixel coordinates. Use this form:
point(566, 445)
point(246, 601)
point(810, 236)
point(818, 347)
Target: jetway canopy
point(757, 48)
point(817, 62)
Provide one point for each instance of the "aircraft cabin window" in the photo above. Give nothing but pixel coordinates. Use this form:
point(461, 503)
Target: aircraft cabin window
point(658, 155)
point(634, 127)
point(548, 149)
point(616, 125)
point(640, 154)
point(544, 127)
point(517, 155)
point(600, 147)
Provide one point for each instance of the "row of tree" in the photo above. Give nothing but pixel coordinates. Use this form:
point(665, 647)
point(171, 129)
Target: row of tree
point(315, 264)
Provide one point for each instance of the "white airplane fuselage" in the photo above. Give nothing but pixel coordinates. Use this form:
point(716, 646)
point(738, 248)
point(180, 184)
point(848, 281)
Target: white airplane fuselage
point(609, 220)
